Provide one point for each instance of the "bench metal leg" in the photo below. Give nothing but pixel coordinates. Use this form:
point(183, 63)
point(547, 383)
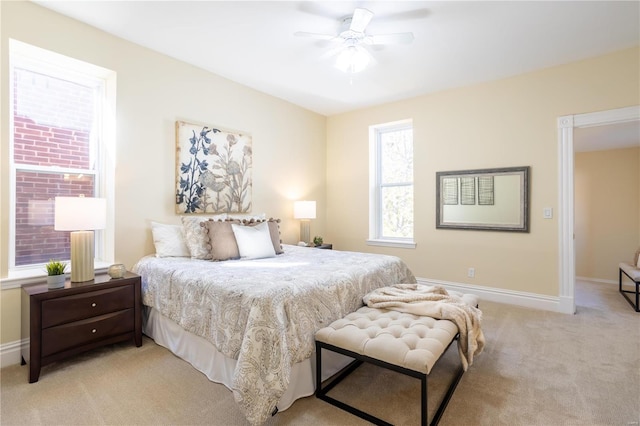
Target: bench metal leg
point(447, 397)
point(624, 293)
point(321, 392)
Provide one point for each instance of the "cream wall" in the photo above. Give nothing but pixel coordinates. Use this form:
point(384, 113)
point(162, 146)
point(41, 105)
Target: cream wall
point(153, 91)
point(607, 207)
point(511, 122)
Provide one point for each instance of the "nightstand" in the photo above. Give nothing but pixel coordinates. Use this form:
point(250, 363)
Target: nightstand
point(325, 246)
point(81, 316)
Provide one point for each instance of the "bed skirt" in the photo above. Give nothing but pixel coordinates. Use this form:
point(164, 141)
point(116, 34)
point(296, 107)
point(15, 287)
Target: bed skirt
point(204, 357)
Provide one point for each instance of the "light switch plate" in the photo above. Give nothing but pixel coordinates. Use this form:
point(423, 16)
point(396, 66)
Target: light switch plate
point(547, 212)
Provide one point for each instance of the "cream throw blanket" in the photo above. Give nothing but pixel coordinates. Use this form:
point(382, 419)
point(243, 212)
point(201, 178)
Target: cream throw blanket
point(434, 302)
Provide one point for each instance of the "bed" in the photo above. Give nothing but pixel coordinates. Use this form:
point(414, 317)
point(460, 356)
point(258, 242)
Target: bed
point(250, 324)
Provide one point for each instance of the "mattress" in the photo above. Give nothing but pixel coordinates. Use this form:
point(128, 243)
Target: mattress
point(263, 314)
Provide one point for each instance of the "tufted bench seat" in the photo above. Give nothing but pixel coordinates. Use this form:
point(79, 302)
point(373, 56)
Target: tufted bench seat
point(402, 342)
point(633, 273)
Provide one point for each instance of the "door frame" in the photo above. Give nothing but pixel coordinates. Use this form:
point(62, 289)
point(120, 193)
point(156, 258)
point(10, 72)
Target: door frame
point(566, 124)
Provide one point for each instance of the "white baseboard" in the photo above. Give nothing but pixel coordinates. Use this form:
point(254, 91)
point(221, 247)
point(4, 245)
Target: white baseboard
point(597, 280)
point(511, 297)
point(10, 353)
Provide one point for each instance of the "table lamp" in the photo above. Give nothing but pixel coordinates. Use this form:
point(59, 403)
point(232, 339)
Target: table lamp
point(305, 211)
point(81, 215)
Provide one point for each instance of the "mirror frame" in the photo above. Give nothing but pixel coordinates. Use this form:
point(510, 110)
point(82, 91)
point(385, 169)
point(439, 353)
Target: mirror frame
point(524, 200)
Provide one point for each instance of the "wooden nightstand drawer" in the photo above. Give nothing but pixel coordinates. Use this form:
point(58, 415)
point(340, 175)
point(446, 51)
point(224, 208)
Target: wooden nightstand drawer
point(85, 305)
point(67, 336)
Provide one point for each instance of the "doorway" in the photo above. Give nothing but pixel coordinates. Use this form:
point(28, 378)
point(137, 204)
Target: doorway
point(566, 126)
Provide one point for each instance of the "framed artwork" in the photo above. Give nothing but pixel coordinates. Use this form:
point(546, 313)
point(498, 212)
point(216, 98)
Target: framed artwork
point(468, 191)
point(213, 169)
point(450, 191)
point(485, 190)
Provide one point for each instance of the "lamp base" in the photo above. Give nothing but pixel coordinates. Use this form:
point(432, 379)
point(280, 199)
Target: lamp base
point(305, 231)
point(82, 254)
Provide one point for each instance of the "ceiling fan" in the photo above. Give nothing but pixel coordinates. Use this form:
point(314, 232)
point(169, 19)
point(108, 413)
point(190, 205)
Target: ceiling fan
point(352, 39)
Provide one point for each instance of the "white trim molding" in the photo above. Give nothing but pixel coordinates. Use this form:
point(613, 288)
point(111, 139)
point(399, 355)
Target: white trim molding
point(392, 243)
point(603, 118)
point(566, 124)
point(10, 353)
point(492, 294)
point(597, 280)
point(565, 224)
point(33, 275)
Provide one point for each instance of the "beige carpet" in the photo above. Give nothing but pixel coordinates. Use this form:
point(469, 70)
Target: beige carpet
point(538, 368)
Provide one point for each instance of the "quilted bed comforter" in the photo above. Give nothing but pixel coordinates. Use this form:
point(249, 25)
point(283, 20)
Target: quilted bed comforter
point(264, 313)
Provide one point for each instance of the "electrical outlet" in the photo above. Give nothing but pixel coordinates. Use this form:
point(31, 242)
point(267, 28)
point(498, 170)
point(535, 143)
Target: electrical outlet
point(471, 272)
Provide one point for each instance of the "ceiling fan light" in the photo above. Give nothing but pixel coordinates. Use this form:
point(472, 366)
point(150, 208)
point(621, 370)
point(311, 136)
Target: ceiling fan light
point(352, 60)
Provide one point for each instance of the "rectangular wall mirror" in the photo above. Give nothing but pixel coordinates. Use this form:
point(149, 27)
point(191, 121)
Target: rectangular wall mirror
point(484, 199)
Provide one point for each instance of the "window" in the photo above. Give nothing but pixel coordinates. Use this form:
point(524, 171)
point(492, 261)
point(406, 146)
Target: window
point(61, 119)
point(391, 182)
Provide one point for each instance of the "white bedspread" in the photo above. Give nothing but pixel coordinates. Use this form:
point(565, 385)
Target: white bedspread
point(264, 313)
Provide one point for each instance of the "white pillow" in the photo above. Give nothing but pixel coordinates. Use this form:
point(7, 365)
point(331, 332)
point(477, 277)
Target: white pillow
point(169, 240)
point(254, 242)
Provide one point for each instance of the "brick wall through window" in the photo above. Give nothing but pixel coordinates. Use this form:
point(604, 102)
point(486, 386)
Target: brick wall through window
point(52, 128)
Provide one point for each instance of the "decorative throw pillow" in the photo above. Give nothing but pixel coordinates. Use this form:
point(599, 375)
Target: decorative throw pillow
point(169, 240)
point(274, 231)
point(196, 236)
point(221, 240)
point(254, 242)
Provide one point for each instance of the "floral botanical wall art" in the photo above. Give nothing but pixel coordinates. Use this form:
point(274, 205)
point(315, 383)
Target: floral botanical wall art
point(213, 169)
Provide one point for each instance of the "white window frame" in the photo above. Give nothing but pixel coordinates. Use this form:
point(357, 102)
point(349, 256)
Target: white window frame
point(375, 187)
point(33, 58)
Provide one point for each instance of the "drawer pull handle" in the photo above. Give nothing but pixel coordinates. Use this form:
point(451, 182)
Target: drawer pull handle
point(94, 330)
point(93, 305)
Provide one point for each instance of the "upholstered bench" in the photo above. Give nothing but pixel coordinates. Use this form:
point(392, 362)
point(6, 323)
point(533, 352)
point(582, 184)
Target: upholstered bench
point(401, 342)
point(633, 273)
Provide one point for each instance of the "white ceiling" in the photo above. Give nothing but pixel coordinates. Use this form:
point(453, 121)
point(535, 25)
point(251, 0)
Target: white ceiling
point(613, 136)
point(456, 43)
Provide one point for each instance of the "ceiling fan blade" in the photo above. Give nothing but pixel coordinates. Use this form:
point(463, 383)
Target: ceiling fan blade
point(360, 20)
point(397, 38)
point(314, 35)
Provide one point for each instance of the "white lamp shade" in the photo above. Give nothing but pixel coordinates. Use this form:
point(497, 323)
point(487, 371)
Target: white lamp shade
point(304, 210)
point(80, 213)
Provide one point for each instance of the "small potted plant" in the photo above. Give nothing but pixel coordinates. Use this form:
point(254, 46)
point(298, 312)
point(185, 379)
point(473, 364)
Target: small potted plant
point(317, 241)
point(55, 274)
